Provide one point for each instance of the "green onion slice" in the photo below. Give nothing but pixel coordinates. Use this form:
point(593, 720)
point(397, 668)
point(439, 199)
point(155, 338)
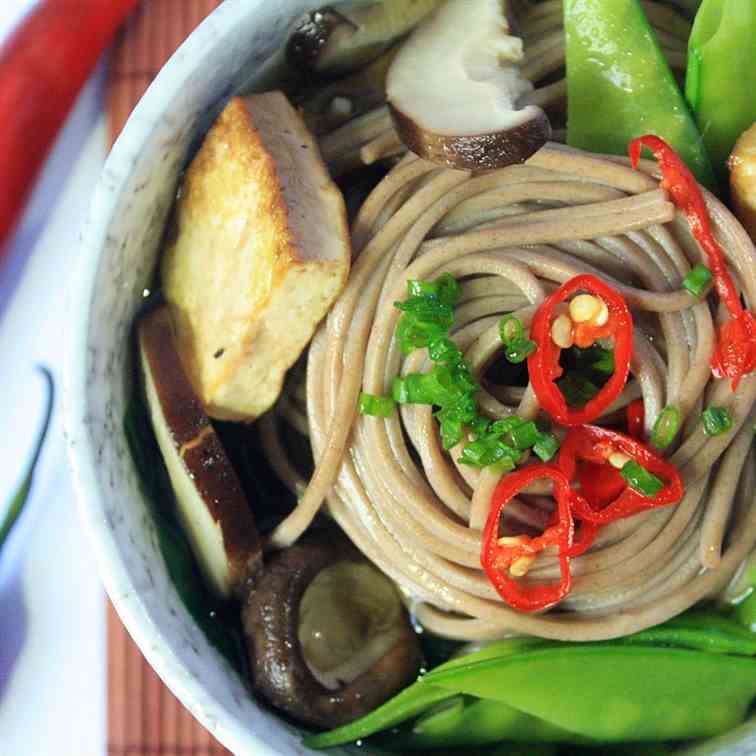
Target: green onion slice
point(376, 406)
point(666, 427)
point(716, 420)
point(546, 446)
point(519, 351)
point(697, 280)
point(524, 436)
point(511, 330)
point(640, 479)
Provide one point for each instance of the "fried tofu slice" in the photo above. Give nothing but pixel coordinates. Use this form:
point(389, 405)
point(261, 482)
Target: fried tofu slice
point(742, 164)
point(259, 253)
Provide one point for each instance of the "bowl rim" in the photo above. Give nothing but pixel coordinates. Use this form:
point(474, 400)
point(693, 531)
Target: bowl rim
point(82, 455)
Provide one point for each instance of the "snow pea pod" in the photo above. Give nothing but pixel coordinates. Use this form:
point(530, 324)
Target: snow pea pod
point(700, 630)
point(471, 722)
point(613, 692)
point(745, 612)
point(416, 699)
point(721, 78)
point(619, 85)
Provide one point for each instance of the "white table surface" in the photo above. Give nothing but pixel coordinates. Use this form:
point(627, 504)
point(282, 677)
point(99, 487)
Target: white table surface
point(52, 610)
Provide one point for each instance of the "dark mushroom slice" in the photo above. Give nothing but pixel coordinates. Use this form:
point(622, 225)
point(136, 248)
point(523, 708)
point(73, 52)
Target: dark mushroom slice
point(211, 505)
point(455, 90)
point(339, 39)
point(328, 637)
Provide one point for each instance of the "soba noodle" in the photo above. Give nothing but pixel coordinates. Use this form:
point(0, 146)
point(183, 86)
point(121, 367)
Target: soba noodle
point(511, 236)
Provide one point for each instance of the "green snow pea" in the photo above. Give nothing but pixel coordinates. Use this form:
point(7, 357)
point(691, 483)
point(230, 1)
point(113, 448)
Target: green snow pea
point(415, 699)
point(744, 611)
point(619, 85)
point(469, 722)
point(721, 76)
point(704, 631)
point(614, 692)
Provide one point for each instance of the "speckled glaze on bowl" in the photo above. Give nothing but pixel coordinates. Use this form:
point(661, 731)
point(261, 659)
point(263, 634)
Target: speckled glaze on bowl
point(120, 244)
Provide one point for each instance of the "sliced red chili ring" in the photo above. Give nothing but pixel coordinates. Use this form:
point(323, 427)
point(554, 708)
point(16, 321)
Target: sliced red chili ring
point(498, 556)
point(735, 353)
point(593, 445)
point(543, 365)
point(585, 533)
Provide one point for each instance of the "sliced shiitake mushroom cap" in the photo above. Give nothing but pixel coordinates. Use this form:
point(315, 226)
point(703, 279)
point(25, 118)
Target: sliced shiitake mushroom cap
point(327, 635)
point(211, 505)
point(337, 40)
point(455, 86)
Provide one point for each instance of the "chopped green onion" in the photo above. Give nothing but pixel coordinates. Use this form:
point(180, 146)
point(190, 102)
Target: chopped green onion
point(451, 433)
point(445, 289)
point(486, 452)
point(505, 465)
point(421, 289)
point(448, 289)
point(640, 479)
point(510, 330)
point(577, 389)
point(418, 389)
point(666, 427)
point(605, 363)
point(546, 446)
point(697, 280)
point(376, 406)
point(479, 427)
point(399, 390)
point(444, 349)
point(524, 435)
point(716, 420)
point(428, 311)
point(412, 333)
point(506, 425)
point(519, 351)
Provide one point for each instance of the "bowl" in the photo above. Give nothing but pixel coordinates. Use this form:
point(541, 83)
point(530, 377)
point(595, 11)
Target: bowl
point(229, 52)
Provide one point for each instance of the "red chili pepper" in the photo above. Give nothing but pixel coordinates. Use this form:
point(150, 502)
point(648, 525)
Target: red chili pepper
point(586, 448)
point(543, 364)
point(43, 66)
point(498, 558)
point(735, 354)
point(585, 533)
point(636, 418)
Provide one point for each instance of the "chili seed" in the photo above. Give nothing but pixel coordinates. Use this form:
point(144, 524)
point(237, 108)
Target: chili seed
point(561, 332)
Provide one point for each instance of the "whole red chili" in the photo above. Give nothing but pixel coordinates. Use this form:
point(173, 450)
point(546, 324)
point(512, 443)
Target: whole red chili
point(43, 66)
point(501, 556)
point(735, 353)
point(586, 448)
point(543, 365)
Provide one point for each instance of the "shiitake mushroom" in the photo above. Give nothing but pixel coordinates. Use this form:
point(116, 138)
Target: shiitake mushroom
point(337, 40)
point(327, 635)
point(455, 90)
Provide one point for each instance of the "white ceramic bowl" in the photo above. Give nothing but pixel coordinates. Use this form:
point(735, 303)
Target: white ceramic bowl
point(120, 244)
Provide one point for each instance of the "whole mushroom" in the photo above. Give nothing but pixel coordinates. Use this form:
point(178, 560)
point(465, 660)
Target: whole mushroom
point(328, 638)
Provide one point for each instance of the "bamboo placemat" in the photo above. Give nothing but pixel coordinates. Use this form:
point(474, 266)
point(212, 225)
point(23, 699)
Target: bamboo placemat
point(144, 719)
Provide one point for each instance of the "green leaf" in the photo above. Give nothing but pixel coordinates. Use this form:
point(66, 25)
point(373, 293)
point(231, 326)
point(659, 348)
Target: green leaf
point(22, 495)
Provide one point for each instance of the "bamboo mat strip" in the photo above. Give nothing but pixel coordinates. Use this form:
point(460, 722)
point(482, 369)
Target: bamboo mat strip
point(144, 718)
